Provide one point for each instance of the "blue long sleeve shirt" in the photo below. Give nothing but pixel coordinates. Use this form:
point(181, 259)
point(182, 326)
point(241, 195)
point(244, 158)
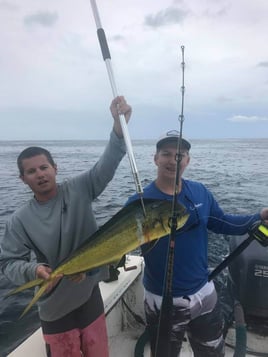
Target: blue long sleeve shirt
point(190, 271)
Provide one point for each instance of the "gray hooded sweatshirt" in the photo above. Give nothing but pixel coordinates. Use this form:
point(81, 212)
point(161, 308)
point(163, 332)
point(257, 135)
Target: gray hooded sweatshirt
point(56, 228)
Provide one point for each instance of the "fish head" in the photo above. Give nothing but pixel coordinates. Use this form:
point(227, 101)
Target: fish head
point(157, 221)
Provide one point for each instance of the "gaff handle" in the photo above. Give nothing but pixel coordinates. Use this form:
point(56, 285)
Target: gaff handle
point(107, 59)
point(259, 232)
point(103, 44)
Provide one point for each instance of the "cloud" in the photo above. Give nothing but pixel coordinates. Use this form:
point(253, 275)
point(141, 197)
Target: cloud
point(46, 19)
point(4, 5)
point(247, 119)
point(170, 16)
point(225, 99)
point(63, 69)
point(263, 64)
point(117, 38)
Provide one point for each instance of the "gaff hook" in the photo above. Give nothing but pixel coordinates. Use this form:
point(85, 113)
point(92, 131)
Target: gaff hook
point(107, 58)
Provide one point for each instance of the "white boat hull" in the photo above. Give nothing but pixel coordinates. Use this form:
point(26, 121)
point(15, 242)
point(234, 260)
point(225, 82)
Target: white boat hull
point(123, 330)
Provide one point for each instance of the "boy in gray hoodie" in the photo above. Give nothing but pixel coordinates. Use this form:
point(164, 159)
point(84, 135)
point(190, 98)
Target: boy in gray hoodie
point(54, 223)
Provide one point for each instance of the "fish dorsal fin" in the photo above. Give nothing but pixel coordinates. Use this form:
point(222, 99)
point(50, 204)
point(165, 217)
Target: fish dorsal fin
point(121, 213)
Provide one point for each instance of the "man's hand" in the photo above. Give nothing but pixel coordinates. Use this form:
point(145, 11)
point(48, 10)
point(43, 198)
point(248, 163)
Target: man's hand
point(264, 215)
point(43, 272)
point(118, 107)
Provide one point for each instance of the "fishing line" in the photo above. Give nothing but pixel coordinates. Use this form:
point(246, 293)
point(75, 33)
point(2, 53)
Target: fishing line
point(107, 59)
point(163, 339)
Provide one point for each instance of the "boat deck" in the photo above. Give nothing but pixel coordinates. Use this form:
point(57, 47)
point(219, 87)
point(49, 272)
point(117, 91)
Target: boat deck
point(123, 330)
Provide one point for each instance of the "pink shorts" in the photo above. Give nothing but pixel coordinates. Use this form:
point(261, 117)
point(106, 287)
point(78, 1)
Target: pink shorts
point(82, 330)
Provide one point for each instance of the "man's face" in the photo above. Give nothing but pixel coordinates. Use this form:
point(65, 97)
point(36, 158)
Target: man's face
point(40, 176)
point(165, 160)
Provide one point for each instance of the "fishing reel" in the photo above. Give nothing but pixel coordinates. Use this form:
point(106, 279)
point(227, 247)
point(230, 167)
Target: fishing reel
point(259, 232)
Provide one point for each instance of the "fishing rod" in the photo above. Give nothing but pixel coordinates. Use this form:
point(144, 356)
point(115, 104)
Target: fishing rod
point(163, 346)
point(107, 59)
point(258, 232)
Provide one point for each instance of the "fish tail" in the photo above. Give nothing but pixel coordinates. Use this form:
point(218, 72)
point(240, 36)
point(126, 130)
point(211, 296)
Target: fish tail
point(23, 287)
point(36, 297)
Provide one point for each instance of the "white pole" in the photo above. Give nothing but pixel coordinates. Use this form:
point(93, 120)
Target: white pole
point(107, 58)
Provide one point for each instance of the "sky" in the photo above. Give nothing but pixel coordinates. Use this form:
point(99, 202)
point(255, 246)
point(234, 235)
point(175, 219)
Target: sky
point(54, 82)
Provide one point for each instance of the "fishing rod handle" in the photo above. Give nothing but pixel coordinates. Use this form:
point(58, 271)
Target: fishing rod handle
point(239, 249)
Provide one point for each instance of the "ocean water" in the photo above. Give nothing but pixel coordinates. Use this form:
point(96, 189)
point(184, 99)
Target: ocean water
point(234, 170)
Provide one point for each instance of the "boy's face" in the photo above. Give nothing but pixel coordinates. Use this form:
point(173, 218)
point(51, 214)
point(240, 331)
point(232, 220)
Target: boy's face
point(165, 160)
point(40, 176)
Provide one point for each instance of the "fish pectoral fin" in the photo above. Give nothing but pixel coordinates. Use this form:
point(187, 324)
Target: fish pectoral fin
point(23, 287)
point(36, 297)
point(118, 263)
point(113, 269)
point(121, 262)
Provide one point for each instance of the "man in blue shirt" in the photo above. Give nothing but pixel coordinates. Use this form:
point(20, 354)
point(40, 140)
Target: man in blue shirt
point(195, 307)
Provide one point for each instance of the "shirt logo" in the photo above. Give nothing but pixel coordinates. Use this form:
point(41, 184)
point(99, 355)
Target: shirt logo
point(196, 205)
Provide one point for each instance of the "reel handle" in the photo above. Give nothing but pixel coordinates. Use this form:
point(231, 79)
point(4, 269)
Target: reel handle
point(259, 232)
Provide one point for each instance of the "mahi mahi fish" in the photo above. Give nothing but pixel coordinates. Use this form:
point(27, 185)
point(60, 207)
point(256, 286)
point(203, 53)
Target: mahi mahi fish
point(124, 232)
